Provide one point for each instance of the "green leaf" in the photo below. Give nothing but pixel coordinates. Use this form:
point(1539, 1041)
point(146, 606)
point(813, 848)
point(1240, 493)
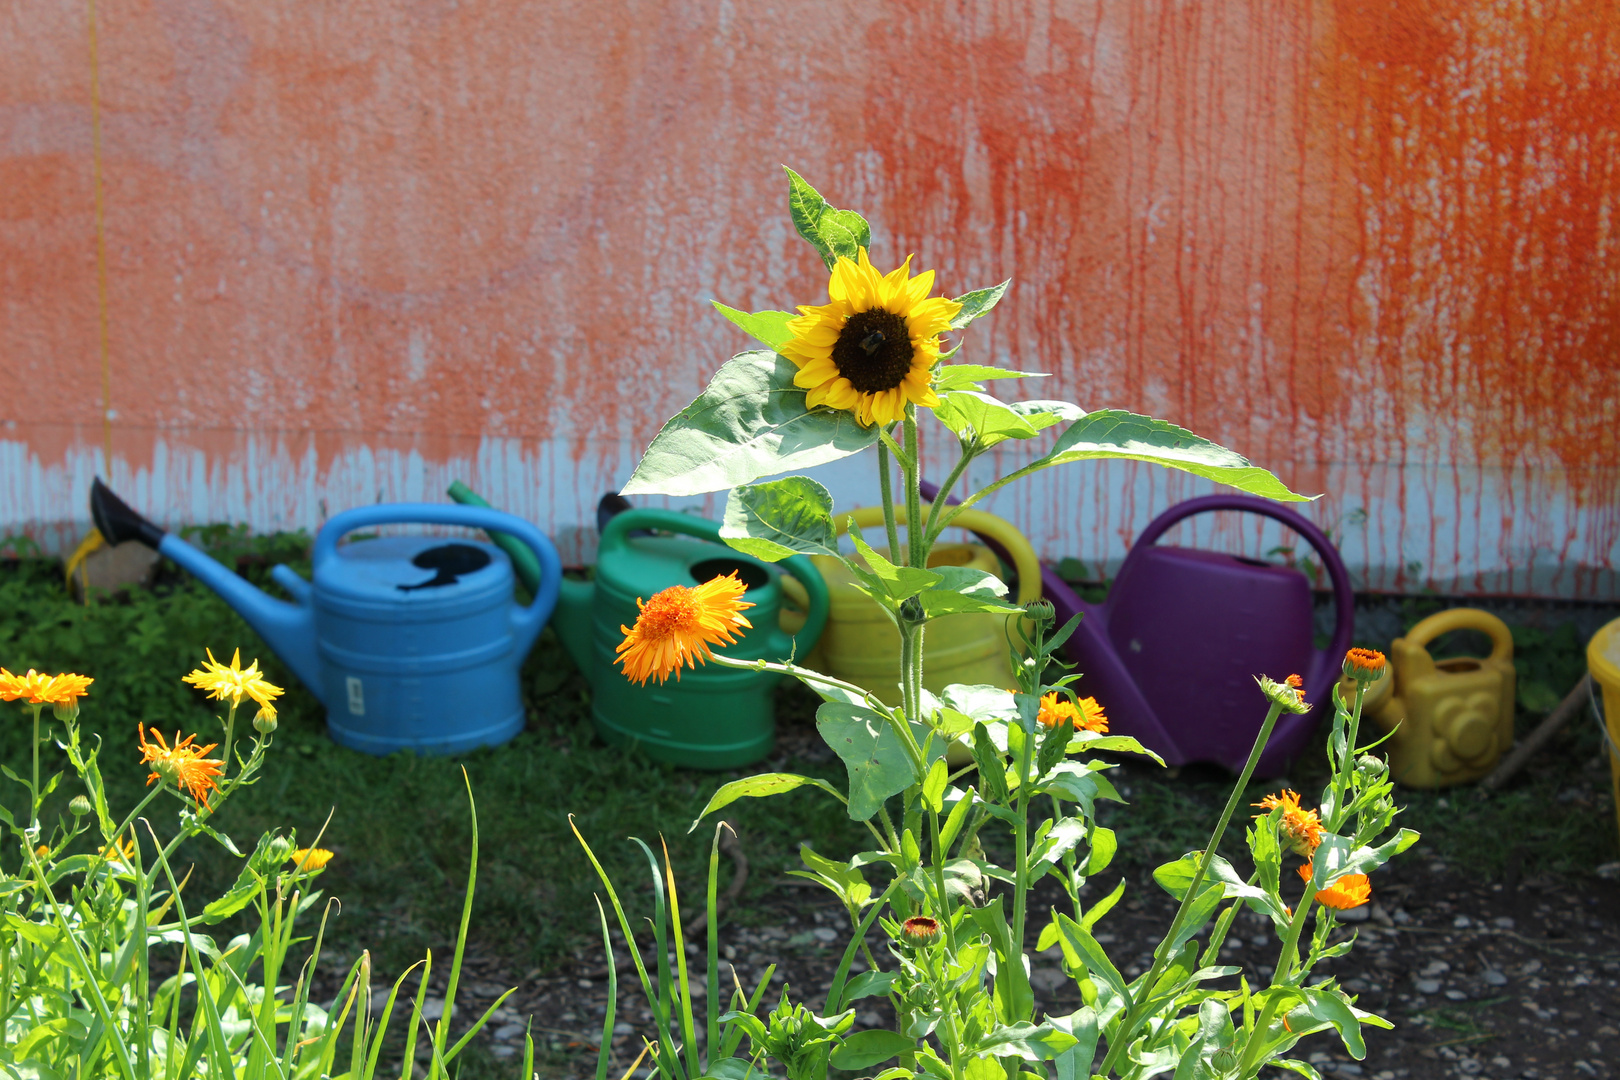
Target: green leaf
point(1029, 1041)
point(871, 751)
point(933, 788)
point(864, 1049)
point(749, 422)
point(977, 303)
point(949, 377)
point(769, 327)
point(961, 590)
point(761, 786)
point(779, 518)
point(833, 232)
point(1103, 845)
point(985, 416)
point(899, 582)
point(1096, 960)
point(1117, 434)
point(1075, 1063)
point(1095, 912)
point(1331, 1006)
point(869, 984)
point(1085, 741)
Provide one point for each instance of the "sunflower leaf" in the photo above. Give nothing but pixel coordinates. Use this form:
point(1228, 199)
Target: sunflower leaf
point(961, 589)
point(872, 753)
point(900, 582)
point(775, 519)
point(749, 422)
point(977, 303)
point(833, 232)
point(968, 376)
point(769, 327)
point(1117, 434)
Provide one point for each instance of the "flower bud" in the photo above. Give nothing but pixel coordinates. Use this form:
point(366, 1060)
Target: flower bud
point(1041, 610)
point(265, 721)
point(1224, 1061)
point(911, 610)
point(66, 710)
point(1287, 694)
point(42, 851)
point(920, 931)
point(279, 851)
point(1364, 665)
point(1371, 765)
point(80, 806)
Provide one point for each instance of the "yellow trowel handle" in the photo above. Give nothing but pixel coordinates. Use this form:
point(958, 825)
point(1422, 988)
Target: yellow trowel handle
point(1464, 619)
point(1001, 531)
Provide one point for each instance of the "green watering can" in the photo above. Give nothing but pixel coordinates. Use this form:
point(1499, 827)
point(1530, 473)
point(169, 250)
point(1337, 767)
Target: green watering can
point(714, 717)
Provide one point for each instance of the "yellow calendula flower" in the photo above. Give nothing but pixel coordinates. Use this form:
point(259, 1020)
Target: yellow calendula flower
point(121, 851)
point(678, 626)
point(1301, 828)
point(872, 349)
point(37, 688)
point(1349, 891)
point(185, 766)
point(309, 859)
point(234, 682)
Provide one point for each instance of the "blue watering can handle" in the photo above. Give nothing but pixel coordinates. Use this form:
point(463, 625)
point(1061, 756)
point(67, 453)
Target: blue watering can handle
point(625, 522)
point(472, 517)
point(1344, 599)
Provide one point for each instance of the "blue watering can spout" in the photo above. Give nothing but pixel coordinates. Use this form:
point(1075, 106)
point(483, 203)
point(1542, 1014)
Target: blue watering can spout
point(289, 629)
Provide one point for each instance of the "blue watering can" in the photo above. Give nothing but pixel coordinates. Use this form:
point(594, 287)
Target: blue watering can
point(411, 642)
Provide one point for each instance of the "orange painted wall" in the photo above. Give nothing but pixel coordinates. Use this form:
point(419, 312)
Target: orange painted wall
point(358, 249)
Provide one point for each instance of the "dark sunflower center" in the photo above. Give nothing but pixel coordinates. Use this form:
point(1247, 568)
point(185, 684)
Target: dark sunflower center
point(873, 351)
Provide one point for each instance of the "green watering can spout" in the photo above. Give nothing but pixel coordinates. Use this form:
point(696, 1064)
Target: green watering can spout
point(572, 617)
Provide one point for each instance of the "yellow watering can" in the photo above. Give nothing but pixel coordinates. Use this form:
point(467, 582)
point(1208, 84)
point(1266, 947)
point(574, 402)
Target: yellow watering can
point(1455, 716)
point(861, 646)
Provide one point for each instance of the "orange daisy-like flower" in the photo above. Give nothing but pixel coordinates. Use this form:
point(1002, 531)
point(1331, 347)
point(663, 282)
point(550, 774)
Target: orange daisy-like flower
point(679, 625)
point(1350, 891)
point(1364, 665)
point(40, 689)
point(185, 766)
point(1301, 828)
point(1085, 715)
point(308, 860)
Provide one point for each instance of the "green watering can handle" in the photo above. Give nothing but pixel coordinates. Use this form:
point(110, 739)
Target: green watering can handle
point(526, 566)
point(782, 644)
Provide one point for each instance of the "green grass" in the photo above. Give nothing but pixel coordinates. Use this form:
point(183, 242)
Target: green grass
point(399, 824)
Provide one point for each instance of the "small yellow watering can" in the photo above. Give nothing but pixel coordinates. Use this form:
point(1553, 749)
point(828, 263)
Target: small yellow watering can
point(861, 646)
point(1455, 716)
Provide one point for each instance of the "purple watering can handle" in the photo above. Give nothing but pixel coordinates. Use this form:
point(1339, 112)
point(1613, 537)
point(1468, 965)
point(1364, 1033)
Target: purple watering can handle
point(1344, 600)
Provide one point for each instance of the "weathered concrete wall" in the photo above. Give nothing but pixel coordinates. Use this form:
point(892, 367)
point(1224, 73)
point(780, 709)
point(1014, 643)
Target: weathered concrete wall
point(358, 249)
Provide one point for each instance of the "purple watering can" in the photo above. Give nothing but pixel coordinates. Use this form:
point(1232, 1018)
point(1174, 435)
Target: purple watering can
point(1172, 653)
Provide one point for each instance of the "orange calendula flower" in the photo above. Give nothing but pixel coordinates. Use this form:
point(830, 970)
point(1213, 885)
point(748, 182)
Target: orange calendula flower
point(1364, 665)
point(678, 626)
point(185, 766)
point(1350, 891)
point(1288, 694)
point(234, 682)
point(40, 689)
point(1301, 828)
point(1084, 715)
point(872, 349)
point(309, 859)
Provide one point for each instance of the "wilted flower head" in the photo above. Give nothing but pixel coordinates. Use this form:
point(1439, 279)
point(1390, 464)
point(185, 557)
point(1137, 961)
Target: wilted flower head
point(1288, 693)
point(185, 766)
point(1301, 828)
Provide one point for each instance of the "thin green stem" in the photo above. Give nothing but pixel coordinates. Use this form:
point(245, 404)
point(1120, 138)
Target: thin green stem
point(1021, 885)
point(34, 791)
point(942, 496)
point(230, 732)
point(939, 881)
point(1284, 974)
point(1161, 955)
point(886, 488)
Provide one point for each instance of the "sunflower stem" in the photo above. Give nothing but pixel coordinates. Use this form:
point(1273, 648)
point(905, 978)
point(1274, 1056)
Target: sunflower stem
point(942, 496)
point(918, 553)
point(886, 487)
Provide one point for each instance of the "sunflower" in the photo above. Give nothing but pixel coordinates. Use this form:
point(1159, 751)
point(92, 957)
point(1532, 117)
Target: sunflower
point(234, 682)
point(1085, 715)
point(308, 860)
point(1350, 891)
point(678, 625)
point(185, 766)
point(40, 689)
point(1301, 828)
point(873, 348)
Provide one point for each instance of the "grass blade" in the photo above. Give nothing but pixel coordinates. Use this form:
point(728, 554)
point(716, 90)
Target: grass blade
point(442, 1035)
point(606, 1048)
point(688, 1035)
point(712, 910)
